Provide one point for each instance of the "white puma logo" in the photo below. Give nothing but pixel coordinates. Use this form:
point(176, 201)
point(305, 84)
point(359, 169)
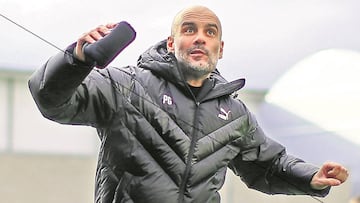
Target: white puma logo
point(224, 114)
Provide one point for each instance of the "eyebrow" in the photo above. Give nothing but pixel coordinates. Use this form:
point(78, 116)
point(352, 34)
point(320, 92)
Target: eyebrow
point(207, 25)
point(213, 25)
point(187, 24)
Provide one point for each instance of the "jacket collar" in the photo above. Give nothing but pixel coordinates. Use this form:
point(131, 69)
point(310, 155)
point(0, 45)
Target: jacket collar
point(160, 62)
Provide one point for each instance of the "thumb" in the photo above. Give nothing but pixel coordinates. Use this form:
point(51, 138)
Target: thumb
point(321, 182)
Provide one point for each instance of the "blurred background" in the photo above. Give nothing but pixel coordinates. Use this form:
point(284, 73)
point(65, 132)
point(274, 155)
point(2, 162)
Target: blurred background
point(301, 61)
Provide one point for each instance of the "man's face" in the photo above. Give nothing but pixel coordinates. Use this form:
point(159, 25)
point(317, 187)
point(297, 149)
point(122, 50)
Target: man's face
point(196, 39)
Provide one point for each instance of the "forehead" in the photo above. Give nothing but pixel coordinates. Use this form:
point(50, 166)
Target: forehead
point(196, 14)
point(205, 16)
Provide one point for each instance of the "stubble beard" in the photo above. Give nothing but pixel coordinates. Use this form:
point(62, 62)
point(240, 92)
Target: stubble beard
point(193, 71)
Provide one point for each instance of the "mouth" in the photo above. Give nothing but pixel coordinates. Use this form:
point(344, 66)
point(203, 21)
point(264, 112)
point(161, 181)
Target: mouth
point(198, 52)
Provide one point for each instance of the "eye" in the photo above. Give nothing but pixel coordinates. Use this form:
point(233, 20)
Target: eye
point(211, 32)
point(189, 30)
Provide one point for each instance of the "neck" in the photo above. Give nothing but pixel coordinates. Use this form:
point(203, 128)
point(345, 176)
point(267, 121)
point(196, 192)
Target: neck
point(197, 82)
point(194, 76)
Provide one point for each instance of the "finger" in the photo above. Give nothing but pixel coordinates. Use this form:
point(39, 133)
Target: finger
point(330, 165)
point(330, 181)
point(111, 25)
point(91, 38)
point(86, 37)
point(105, 29)
point(337, 170)
point(334, 171)
point(343, 175)
point(97, 34)
point(78, 51)
point(322, 183)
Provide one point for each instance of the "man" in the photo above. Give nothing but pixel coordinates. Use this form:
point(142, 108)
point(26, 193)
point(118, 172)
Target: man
point(170, 127)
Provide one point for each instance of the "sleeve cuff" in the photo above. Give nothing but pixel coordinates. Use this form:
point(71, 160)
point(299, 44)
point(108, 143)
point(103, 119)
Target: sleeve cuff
point(71, 50)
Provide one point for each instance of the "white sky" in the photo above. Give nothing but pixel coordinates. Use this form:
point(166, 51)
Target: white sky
point(324, 89)
point(262, 38)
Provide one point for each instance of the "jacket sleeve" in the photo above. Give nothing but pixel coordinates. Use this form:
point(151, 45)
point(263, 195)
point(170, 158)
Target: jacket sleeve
point(71, 92)
point(268, 168)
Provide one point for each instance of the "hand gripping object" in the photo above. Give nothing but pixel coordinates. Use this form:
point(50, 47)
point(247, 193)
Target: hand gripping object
point(103, 51)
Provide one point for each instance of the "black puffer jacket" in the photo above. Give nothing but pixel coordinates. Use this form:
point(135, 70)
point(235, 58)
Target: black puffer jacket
point(159, 143)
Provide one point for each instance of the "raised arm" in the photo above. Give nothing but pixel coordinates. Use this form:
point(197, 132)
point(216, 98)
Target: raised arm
point(67, 90)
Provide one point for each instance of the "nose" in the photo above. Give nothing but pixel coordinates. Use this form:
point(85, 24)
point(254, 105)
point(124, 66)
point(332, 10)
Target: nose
point(199, 39)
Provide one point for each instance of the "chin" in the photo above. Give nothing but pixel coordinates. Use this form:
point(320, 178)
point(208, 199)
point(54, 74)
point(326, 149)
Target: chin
point(200, 64)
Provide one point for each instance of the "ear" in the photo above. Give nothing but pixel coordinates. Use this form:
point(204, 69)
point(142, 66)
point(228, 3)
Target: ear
point(170, 44)
point(221, 51)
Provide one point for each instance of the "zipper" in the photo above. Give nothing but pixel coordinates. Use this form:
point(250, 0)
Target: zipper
point(189, 161)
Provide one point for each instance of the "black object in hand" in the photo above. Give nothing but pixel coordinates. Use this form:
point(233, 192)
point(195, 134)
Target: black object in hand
point(103, 51)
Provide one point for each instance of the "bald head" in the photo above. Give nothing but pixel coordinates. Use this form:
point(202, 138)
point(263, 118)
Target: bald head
point(196, 43)
point(200, 12)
